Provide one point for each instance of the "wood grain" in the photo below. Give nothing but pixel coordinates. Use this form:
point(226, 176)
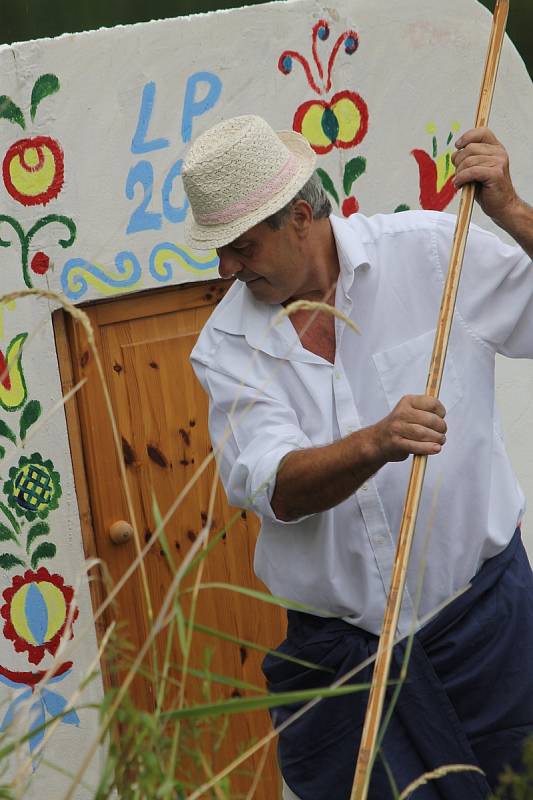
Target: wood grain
point(161, 409)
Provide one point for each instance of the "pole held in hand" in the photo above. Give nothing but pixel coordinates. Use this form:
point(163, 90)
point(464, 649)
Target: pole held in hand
point(414, 489)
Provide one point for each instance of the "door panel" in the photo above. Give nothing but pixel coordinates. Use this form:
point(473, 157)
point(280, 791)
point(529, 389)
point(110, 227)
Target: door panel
point(161, 413)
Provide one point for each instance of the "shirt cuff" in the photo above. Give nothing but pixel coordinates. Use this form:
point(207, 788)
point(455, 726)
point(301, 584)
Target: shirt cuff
point(262, 480)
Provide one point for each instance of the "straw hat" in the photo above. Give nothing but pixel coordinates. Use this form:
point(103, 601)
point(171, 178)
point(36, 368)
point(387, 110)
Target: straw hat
point(237, 174)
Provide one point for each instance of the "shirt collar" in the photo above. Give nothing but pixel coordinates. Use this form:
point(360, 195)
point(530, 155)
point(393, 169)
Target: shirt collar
point(350, 249)
point(241, 314)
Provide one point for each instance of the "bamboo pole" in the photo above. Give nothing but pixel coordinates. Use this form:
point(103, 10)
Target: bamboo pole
point(414, 489)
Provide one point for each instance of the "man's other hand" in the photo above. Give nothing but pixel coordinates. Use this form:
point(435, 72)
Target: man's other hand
point(482, 159)
point(414, 427)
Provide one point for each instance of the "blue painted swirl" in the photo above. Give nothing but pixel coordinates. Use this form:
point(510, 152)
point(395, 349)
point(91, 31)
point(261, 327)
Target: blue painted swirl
point(162, 269)
point(78, 273)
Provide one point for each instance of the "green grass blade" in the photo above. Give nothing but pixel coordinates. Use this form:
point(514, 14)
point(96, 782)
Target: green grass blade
point(163, 541)
point(273, 599)
point(247, 704)
point(225, 680)
point(227, 637)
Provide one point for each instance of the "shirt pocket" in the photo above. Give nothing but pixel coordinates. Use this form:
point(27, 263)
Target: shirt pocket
point(403, 369)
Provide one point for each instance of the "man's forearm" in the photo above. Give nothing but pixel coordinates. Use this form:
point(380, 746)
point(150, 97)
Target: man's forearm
point(318, 478)
point(518, 223)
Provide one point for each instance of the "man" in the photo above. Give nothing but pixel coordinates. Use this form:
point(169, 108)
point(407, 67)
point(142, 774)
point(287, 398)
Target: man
point(312, 426)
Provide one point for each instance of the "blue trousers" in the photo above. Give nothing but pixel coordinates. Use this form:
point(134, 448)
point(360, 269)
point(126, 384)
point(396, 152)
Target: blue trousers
point(467, 699)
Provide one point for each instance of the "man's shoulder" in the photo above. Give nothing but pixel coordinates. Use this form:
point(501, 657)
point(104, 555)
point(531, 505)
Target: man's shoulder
point(371, 229)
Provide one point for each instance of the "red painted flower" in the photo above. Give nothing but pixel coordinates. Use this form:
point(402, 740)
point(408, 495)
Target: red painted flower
point(37, 608)
point(436, 171)
point(434, 196)
point(33, 170)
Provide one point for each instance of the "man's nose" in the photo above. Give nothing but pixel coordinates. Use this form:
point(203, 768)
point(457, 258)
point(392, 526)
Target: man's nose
point(228, 264)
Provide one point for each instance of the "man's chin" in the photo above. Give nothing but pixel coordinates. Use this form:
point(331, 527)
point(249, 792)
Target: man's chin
point(263, 291)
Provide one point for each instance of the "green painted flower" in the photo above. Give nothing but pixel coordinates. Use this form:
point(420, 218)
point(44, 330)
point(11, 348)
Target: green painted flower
point(33, 488)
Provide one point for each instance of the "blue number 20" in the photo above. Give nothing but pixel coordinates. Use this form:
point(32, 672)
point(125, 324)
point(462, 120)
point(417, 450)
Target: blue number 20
point(142, 219)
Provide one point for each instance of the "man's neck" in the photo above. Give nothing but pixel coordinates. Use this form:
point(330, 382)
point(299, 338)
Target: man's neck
point(325, 266)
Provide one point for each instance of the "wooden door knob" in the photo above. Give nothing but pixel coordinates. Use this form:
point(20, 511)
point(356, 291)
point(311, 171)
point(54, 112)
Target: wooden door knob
point(120, 532)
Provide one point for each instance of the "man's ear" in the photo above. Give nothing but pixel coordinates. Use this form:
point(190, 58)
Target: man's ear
point(301, 217)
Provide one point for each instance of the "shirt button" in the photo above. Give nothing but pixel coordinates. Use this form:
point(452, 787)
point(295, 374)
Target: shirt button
point(337, 375)
point(379, 539)
point(364, 487)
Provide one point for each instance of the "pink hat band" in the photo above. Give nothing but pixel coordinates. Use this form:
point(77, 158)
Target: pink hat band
point(255, 199)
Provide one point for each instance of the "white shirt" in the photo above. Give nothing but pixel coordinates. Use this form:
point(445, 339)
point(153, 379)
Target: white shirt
point(269, 396)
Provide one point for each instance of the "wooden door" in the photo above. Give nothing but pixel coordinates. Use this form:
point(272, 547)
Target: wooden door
point(161, 412)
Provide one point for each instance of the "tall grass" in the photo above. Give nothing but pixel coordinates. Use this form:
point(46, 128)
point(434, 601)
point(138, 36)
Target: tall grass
point(168, 751)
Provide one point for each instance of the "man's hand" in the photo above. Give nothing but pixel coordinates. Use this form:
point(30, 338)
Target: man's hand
point(415, 426)
point(482, 159)
point(317, 478)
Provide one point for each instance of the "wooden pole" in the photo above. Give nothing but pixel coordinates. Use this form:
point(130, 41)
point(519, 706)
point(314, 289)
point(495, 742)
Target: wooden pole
point(414, 489)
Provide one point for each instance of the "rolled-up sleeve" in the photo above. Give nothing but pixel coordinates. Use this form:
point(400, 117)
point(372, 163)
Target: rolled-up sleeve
point(496, 292)
point(251, 431)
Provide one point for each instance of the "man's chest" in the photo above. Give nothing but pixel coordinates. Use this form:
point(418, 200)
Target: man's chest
point(316, 331)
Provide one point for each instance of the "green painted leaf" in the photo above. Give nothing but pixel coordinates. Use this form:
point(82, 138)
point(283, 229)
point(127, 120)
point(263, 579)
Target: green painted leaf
point(7, 561)
point(39, 529)
point(30, 415)
point(44, 86)
point(45, 550)
point(6, 431)
point(353, 170)
point(11, 517)
point(6, 535)
point(2, 451)
point(402, 207)
point(9, 110)
point(328, 184)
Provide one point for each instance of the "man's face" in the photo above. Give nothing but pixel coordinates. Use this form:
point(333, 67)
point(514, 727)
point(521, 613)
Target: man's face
point(271, 263)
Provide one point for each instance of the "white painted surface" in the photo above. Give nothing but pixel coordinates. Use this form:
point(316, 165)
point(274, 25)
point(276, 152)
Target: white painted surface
point(418, 61)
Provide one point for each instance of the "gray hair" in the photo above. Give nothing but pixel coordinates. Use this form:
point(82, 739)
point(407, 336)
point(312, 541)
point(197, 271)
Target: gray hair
point(313, 193)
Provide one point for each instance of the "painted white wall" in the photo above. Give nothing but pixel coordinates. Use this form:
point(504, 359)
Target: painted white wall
point(418, 62)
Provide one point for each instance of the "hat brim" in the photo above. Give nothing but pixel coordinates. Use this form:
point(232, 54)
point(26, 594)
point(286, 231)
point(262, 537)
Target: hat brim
point(208, 237)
